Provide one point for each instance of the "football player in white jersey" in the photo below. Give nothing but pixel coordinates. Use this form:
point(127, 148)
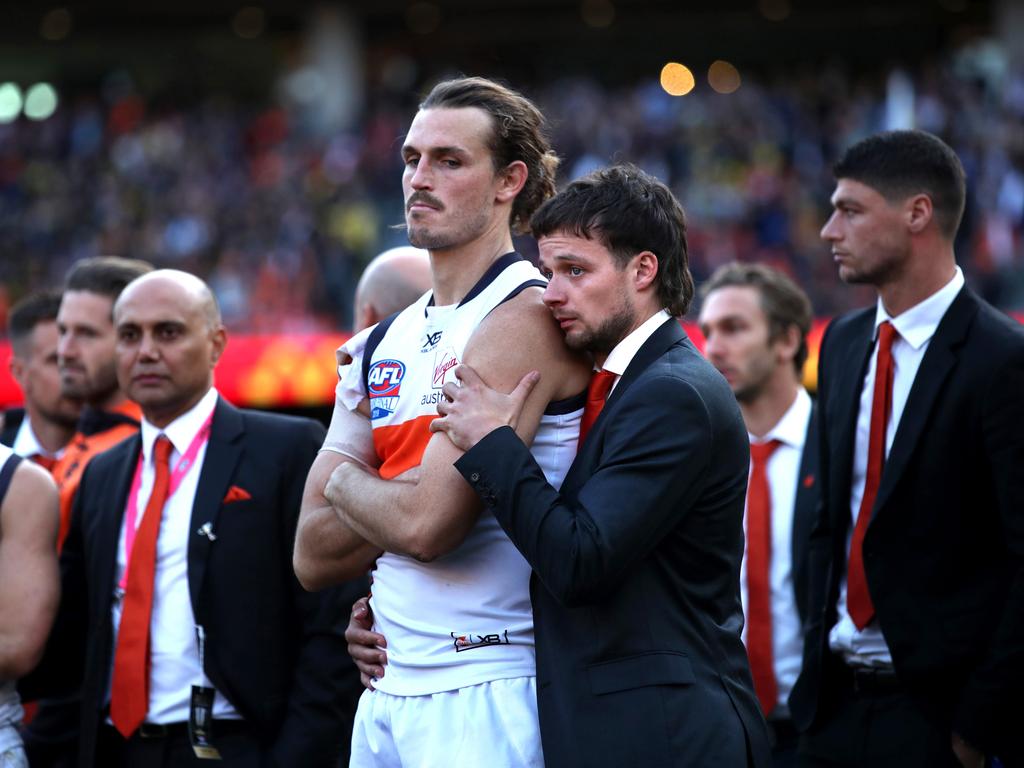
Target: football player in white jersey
point(476, 167)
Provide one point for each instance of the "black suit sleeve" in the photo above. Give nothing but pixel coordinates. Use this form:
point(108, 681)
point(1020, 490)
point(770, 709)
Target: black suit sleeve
point(993, 691)
point(310, 734)
point(651, 469)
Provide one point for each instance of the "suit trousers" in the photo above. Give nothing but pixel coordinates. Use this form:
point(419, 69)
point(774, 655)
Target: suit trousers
point(872, 725)
point(235, 742)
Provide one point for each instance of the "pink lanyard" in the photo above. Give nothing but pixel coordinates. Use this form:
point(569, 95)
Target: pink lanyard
point(177, 475)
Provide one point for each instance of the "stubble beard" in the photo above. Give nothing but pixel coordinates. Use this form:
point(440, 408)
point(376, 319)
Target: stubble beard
point(603, 339)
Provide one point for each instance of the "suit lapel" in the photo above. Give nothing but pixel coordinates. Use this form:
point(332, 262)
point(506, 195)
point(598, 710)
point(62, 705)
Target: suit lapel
point(803, 510)
point(111, 514)
point(847, 384)
point(222, 455)
point(938, 361)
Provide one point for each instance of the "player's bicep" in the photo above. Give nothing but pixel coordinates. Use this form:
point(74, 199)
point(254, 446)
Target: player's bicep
point(516, 338)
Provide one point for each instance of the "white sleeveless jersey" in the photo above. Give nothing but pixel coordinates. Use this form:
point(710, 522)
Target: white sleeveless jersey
point(10, 704)
point(466, 617)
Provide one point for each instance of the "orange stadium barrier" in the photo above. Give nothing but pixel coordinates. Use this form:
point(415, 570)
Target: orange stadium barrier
point(289, 371)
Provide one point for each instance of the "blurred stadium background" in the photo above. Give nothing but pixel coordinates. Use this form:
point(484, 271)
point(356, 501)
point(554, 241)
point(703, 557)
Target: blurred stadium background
point(256, 143)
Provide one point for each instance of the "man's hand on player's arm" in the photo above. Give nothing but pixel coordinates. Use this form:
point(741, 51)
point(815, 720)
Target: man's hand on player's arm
point(432, 515)
point(327, 551)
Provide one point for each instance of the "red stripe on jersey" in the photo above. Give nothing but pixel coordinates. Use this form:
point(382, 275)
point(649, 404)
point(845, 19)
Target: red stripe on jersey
point(401, 446)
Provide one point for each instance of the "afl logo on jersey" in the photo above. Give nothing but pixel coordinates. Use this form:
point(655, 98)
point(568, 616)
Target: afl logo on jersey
point(384, 384)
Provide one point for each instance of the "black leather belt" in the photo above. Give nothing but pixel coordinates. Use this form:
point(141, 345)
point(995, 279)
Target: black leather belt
point(871, 681)
point(151, 731)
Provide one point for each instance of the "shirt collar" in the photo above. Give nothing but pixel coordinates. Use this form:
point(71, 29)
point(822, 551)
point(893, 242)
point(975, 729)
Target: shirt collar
point(183, 429)
point(791, 429)
point(622, 355)
point(917, 325)
point(27, 444)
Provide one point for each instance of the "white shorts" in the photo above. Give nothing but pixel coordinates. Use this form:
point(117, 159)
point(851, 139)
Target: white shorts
point(491, 723)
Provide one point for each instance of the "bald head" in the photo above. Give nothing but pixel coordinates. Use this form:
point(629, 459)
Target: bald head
point(190, 290)
point(169, 339)
point(390, 283)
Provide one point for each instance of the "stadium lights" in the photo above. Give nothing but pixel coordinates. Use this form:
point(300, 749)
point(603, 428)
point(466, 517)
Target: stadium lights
point(10, 102)
point(40, 101)
point(723, 77)
point(597, 13)
point(677, 79)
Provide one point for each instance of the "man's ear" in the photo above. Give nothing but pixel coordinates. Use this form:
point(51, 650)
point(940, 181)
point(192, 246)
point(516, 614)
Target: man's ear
point(645, 267)
point(17, 368)
point(919, 213)
point(512, 179)
point(787, 344)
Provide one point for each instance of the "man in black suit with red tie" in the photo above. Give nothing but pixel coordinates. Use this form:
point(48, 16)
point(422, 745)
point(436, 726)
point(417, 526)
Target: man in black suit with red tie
point(181, 615)
point(636, 558)
point(915, 651)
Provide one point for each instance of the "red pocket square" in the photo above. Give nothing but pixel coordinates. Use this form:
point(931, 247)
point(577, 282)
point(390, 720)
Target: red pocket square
point(236, 494)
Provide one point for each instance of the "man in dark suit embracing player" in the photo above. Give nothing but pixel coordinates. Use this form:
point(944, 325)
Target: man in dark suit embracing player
point(636, 559)
point(181, 615)
point(914, 654)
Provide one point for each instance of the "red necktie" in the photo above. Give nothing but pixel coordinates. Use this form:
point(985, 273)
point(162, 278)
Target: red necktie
point(858, 599)
point(46, 462)
point(129, 690)
point(597, 391)
point(759, 588)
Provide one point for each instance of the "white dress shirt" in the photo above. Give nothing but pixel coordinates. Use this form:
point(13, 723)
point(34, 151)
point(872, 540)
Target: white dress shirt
point(915, 326)
point(783, 479)
point(624, 352)
point(174, 655)
point(27, 444)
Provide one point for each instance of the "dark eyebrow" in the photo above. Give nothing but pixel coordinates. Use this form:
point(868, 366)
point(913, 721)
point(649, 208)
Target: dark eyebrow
point(459, 151)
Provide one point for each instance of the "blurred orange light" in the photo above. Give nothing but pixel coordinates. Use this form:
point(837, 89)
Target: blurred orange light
point(249, 22)
point(677, 79)
point(774, 10)
point(597, 13)
point(56, 24)
point(423, 17)
point(723, 77)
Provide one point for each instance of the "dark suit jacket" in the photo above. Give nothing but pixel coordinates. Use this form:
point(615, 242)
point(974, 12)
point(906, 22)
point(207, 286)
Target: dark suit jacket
point(9, 425)
point(636, 570)
point(275, 651)
point(944, 550)
point(805, 507)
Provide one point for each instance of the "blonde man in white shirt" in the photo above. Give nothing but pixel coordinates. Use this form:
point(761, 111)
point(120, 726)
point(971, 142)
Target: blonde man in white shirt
point(755, 322)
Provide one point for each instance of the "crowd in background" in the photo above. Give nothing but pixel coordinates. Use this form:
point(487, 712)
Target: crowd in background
point(281, 221)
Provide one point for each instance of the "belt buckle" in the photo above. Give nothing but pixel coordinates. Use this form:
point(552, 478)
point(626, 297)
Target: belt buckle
point(152, 731)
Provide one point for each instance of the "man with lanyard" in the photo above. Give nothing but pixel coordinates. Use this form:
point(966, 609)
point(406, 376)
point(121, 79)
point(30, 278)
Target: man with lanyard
point(181, 541)
point(85, 359)
point(41, 429)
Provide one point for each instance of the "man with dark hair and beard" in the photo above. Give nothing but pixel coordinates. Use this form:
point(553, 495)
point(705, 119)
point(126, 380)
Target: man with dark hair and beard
point(636, 558)
point(87, 365)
